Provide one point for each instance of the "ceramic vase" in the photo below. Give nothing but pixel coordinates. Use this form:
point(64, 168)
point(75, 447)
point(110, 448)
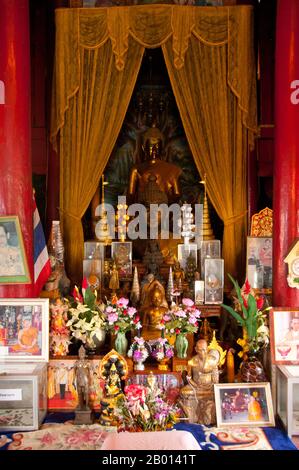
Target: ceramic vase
point(121, 343)
point(181, 345)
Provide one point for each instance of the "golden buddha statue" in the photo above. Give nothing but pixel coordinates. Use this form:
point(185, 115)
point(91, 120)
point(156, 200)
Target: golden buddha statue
point(154, 307)
point(197, 395)
point(114, 279)
point(112, 393)
point(154, 181)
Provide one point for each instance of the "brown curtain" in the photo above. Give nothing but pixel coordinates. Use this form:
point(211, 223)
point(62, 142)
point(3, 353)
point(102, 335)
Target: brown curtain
point(210, 60)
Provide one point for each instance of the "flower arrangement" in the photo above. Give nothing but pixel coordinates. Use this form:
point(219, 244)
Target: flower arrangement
point(181, 319)
point(86, 320)
point(142, 409)
point(249, 314)
point(161, 349)
point(120, 317)
point(139, 350)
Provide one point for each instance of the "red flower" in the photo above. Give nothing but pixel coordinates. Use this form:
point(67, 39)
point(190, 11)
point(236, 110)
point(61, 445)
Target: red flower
point(260, 303)
point(245, 302)
point(84, 283)
point(116, 327)
point(76, 294)
point(246, 287)
point(177, 331)
point(125, 312)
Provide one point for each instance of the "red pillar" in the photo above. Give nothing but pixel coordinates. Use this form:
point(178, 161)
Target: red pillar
point(286, 162)
point(15, 126)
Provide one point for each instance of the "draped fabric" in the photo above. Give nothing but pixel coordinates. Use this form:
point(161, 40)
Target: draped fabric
point(210, 61)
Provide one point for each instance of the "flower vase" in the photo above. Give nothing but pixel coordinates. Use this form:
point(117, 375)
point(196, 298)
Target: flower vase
point(181, 345)
point(251, 369)
point(121, 343)
point(139, 365)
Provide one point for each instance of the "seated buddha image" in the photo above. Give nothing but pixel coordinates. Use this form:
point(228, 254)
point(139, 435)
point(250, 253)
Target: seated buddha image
point(154, 306)
point(154, 181)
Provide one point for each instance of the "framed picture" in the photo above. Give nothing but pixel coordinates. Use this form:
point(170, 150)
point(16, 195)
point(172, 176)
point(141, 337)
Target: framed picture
point(121, 252)
point(214, 280)
point(259, 262)
point(62, 388)
point(244, 404)
point(284, 334)
point(199, 292)
point(94, 250)
point(13, 261)
point(24, 330)
point(92, 271)
point(208, 249)
point(186, 251)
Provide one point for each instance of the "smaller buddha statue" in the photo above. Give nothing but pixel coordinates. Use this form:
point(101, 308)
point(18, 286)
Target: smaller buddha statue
point(153, 258)
point(112, 392)
point(190, 270)
point(155, 306)
point(197, 395)
point(178, 276)
point(114, 279)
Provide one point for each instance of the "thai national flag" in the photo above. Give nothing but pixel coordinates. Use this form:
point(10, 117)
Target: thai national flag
point(42, 267)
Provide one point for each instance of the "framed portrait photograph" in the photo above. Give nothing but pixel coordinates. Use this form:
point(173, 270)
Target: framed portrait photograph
point(24, 330)
point(186, 251)
point(284, 334)
point(208, 249)
point(121, 252)
point(199, 292)
point(13, 261)
point(244, 404)
point(62, 387)
point(214, 281)
point(259, 262)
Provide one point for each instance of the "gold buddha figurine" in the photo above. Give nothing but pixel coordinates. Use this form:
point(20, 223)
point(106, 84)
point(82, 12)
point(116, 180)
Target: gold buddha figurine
point(155, 306)
point(114, 279)
point(197, 395)
point(112, 392)
point(154, 181)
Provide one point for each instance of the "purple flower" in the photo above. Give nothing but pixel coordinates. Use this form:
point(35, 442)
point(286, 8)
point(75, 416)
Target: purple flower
point(131, 311)
point(122, 302)
point(169, 352)
point(192, 320)
point(112, 317)
point(138, 355)
point(139, 341)
point(109, 309)
point(180, 313)
point(166, 317)
point(188, 302)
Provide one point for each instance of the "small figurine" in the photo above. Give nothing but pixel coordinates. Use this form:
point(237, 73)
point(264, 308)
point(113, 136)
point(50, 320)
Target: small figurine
point(114, 280)
point(82, 378)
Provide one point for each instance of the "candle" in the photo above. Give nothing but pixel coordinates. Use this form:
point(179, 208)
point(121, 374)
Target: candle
point(230, 366)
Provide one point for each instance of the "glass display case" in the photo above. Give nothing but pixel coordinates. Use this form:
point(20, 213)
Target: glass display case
point(23, 396)
point(287, 382)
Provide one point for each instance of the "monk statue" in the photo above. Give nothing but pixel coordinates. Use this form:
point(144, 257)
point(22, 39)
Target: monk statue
point(154, 181)
point(154, 307)
point(197, 395)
